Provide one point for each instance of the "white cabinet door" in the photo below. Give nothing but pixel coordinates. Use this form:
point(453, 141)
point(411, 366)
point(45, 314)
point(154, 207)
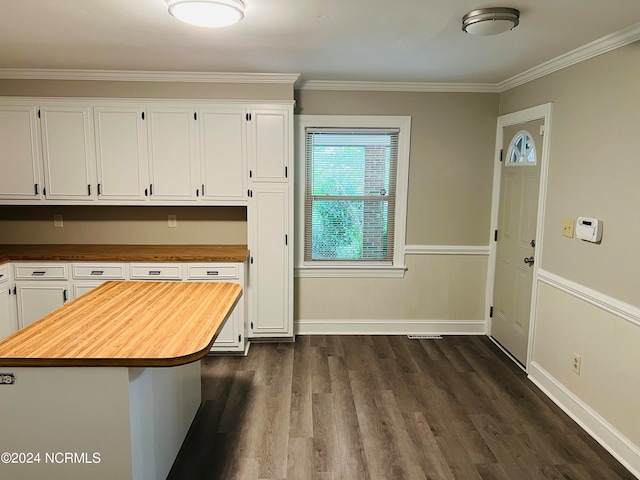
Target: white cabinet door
point(36, 299)
point(270, 144)
point(223, 145)
point(20, 156)
point(121, 155)
point(67, 147)
point(270, 277)
point(172, 154)
point(8, 320)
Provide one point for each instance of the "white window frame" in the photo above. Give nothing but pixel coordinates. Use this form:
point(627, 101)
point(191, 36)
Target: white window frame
point(339, 269)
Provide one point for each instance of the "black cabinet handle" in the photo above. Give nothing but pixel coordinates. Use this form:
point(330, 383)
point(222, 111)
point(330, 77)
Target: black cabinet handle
point(154, 272)
point(212, 272)
point(97, 272)
point(64, 295)
point(37, 274)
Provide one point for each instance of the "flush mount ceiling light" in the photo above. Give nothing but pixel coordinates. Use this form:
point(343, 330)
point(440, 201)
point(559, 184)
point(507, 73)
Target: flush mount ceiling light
point(207, 13)
point(490, 21)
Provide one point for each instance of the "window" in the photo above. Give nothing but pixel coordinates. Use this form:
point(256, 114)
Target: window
point(352, 208)
point(521, 149)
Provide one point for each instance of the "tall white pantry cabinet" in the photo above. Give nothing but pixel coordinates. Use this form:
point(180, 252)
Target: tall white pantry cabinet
point(166, 152)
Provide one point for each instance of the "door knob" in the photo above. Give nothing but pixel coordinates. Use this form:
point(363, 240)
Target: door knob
point(529, 260)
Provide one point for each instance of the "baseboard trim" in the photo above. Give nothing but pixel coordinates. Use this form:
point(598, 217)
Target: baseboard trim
point(625, 451)
point(389, 327)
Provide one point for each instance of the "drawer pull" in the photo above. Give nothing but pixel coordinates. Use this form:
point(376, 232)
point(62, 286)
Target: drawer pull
point(212, 272)
point(1, 275)
point(37, 274)
point(154, 272)
point(97, 272)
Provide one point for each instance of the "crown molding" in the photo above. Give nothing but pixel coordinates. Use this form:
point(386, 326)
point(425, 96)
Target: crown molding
point(590, 50)
point(580, 54)
point(397, 86)
point(146, 76)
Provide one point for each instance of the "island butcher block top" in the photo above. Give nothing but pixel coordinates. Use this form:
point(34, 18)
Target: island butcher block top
point(125, 253)
point(127, 324)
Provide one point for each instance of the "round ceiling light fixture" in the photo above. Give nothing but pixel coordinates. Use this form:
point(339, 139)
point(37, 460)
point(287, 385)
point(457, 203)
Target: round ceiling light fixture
point(207, 13)
point(490, 21)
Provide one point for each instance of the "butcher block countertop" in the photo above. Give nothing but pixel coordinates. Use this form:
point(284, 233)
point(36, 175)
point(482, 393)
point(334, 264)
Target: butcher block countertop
point(125, 253)
point(126, 324)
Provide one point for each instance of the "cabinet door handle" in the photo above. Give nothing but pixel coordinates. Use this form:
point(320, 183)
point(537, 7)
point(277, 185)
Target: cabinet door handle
point(203, 189)
point(64, 295)
point(97, 272)
point(151, 189)
point(89, 189)
point(37, 274)
point(36, 187)
point(154, 272)
point(1, 275)
point(212, 272)
point(146, 192)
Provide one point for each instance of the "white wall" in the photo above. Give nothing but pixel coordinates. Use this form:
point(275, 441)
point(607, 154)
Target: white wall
point(589, 294)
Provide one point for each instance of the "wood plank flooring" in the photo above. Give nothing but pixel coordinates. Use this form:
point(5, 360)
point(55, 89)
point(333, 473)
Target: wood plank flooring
point(382, 407)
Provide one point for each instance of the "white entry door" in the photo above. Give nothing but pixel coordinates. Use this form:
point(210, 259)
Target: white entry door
point(517, 221)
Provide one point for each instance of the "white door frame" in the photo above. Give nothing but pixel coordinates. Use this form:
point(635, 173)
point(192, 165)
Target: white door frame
point(522, 116)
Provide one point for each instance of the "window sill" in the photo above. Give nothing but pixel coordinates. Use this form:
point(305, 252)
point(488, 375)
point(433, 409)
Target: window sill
point(375, 271)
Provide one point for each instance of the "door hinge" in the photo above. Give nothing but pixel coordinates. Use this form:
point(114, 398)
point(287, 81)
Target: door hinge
point(36, 187)
point(501, 151)
point(495, 236)
point(491, 311)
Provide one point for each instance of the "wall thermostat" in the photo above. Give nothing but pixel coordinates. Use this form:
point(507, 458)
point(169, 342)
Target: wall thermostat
point(589, 229)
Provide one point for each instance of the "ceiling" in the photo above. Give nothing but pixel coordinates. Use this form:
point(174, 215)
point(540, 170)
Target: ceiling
point(337, 40)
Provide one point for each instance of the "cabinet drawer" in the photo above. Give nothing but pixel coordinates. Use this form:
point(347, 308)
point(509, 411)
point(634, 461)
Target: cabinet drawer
point(4, 273)
point(98, 271)
point(159, 271)
point(52, 271)
point(212, 272)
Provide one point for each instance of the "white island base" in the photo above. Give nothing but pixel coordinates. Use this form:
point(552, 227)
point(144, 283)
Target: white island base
point(98, 423)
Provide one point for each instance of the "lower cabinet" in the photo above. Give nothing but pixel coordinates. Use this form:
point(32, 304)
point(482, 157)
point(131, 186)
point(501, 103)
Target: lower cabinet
point(40, 289)
point(233, 336)
point(43, 287)
point(8, 320)
point(36, 299)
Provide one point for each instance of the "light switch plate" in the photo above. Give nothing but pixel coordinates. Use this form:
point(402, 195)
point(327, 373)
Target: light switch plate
point(567, 228)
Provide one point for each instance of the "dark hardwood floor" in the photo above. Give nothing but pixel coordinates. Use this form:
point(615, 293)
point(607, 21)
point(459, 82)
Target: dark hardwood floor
point(382, 407)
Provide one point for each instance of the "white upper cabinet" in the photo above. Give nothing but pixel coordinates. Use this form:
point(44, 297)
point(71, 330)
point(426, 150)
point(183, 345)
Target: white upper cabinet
point(121, 154)
point(270, 144)
point(223, 153)
point(172, 153)
point(20, 156)
point(67, 147)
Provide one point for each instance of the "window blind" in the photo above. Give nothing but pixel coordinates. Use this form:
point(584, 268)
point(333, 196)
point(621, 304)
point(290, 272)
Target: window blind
point(350, 195)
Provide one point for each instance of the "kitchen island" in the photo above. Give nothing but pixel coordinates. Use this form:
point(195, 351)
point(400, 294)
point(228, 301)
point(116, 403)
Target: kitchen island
point(106, 387)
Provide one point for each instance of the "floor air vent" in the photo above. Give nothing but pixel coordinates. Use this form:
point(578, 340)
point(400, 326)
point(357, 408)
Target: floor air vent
point(424, 337)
